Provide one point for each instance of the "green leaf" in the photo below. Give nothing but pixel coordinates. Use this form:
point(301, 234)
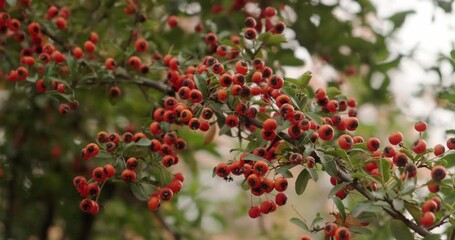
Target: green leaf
point(414, 210)
point(400, 230)
point(284, 170)
point(361, 230)
point(304, 80)
point(340, 207)
point(104, 155)
point(299, 223)
point(275, 39)
point(301, 182)
point(253, 157)
point(432, 237)
point(143, 142)
point(384, 169)
point(398, 18)
point(329, 164)
point(264, 36)
point(138, 192)
point(337, 188)
point(398, 204)
point(333, 91)
point(315, 117)
point(452, 54)
point(362, 207)
point(449, 157)
point(201, 84)
point(313, 174)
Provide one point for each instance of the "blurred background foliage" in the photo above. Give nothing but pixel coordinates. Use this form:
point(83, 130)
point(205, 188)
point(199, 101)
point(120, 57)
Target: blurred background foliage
point(40, 149)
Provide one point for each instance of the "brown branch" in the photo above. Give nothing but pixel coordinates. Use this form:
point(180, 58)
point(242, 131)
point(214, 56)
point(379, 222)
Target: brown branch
point(393, 213)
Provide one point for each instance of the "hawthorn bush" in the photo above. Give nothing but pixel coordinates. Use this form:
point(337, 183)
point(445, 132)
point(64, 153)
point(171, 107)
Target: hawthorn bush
point(217, 69)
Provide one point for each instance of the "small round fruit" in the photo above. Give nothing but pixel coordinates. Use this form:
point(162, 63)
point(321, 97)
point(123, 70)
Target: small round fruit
point(420, 126)
point(438, 173)
point(427, 219)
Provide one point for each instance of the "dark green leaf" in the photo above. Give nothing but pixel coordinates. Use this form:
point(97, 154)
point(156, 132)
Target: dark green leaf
point(315, 117)
point(414, 210)
point(299, 223)
point(301, 182)
point(201, 84)
point(340, 207)
point(361, 230)
point(400, 230)
point(313, 173)
point(449, 157)
point(432, 237)
point(143, 142)
point(104, 155)
point(452, 54)
point(138, 192)
point(284, 171)
point(337, 188)
point(329, 165)
point(399, 18)
point(253, 157)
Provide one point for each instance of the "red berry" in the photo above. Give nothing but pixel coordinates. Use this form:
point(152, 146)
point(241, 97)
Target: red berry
point(345, 142)
point(281, 199)
point(342, 233)
point(427, 219)
point(373, 144)
point(419, 146)
point(395, 138)
point(420, 126)
point(330, 229)
point(438, 173)
point(429, 206)
point(172, 21)
point(254, 212)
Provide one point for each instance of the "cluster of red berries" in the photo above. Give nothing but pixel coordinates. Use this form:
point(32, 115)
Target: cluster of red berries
point(255, 175)
point(429, 207)
point(162, 145)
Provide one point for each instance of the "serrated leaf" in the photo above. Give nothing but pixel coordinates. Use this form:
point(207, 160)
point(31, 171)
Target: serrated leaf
point(299, 223)
point(400, 230)
point(337, 188)
point(253, 157)
point(340, 207)
point(301, 182)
